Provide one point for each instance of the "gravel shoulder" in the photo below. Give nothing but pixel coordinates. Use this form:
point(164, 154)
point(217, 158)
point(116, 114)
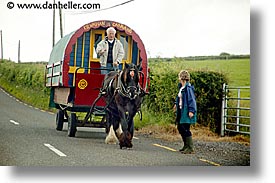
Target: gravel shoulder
point(223, 151)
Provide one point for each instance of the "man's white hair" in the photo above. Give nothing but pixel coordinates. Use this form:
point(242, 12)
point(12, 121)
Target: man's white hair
point(109, 29)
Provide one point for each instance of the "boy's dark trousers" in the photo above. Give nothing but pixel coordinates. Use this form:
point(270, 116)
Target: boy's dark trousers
point(186, 135)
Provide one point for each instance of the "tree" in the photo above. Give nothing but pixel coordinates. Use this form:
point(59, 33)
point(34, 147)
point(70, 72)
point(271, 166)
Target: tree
point(224, 54)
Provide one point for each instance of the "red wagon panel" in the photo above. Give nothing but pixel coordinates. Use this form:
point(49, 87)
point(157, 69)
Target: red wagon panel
point(87, 89)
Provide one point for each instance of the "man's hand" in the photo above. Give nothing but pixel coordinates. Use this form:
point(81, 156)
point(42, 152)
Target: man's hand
point(115, 64)
point(102, 51)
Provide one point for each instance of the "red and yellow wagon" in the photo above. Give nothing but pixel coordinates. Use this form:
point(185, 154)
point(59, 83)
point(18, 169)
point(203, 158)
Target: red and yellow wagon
point(73, 72)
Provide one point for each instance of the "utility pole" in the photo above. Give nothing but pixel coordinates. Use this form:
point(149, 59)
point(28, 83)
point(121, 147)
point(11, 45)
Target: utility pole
point(1, 46)
point(60, 20)
point(19, 52)
point(53, 24)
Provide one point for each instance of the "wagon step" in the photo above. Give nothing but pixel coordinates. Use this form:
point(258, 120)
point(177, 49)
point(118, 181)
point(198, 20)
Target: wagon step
point(92, 124)
point(99, 113)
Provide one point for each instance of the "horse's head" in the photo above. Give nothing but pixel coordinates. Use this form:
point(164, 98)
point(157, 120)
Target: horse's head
point(131, 81)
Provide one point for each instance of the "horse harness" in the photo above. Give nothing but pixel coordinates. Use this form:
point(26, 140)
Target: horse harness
point(120, 89)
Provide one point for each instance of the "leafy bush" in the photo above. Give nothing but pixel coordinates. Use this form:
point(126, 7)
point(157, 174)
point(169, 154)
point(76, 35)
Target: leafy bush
point(208, 91)
point(25, 81)
point(27, 75)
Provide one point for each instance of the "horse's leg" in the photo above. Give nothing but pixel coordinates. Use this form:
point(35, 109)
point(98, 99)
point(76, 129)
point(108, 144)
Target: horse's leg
point(123, 118)
point(131, 127)
point(125, 139)
point(131, 115)
point(107, 122)
point(119, 130)
point(111, 137)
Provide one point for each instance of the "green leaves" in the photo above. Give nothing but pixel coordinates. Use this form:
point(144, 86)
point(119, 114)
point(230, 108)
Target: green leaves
point(26, 82)
point(208, 91)
point(29, 75)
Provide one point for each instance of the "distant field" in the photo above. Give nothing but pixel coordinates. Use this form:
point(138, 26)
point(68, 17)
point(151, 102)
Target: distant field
point(237, 70)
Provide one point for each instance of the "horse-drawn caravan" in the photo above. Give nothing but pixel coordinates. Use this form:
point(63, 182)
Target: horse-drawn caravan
point(77, 86)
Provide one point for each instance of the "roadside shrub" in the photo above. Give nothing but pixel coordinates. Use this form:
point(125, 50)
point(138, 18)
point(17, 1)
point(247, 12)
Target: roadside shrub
point(26, 75)
point(25, 81)
point(208, 91)
point(160, 101)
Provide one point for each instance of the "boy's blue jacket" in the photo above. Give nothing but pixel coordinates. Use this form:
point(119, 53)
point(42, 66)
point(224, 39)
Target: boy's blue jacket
point(188, 105)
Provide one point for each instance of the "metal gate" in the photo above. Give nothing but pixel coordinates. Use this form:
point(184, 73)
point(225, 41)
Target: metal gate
point(235, 110)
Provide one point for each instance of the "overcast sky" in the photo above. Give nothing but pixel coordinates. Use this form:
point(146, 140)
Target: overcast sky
point(168, 28)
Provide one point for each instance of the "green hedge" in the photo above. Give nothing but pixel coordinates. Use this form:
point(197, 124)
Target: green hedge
point(25, 81)
point(27, 75)
point(208, 91)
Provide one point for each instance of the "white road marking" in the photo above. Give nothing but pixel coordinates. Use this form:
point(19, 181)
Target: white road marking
point(55, 150)
point(135, 138)
point(14, 122)
point(17, 100)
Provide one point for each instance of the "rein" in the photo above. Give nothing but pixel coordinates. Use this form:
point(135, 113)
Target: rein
point(125, 91)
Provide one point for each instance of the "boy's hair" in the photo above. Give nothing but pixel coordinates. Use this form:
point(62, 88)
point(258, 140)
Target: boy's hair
point(184, 75)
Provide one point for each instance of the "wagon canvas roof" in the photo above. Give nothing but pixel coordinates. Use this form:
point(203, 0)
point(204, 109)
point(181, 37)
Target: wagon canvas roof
point(58, 51)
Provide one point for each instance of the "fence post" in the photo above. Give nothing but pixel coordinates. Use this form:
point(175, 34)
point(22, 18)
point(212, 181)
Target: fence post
point(238, 109)
point(223, 110)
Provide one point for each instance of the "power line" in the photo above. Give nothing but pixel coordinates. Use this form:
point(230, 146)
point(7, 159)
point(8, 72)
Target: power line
point(86, 12)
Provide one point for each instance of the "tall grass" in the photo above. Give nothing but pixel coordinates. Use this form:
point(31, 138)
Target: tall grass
point(238, 70)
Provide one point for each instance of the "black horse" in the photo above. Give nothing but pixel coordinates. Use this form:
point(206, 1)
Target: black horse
point(123, 96)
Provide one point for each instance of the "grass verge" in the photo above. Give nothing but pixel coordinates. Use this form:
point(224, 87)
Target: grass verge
point(30, 96)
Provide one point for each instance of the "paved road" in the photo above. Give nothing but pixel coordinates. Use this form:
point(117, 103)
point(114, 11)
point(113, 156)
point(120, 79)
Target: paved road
point(28, 138)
